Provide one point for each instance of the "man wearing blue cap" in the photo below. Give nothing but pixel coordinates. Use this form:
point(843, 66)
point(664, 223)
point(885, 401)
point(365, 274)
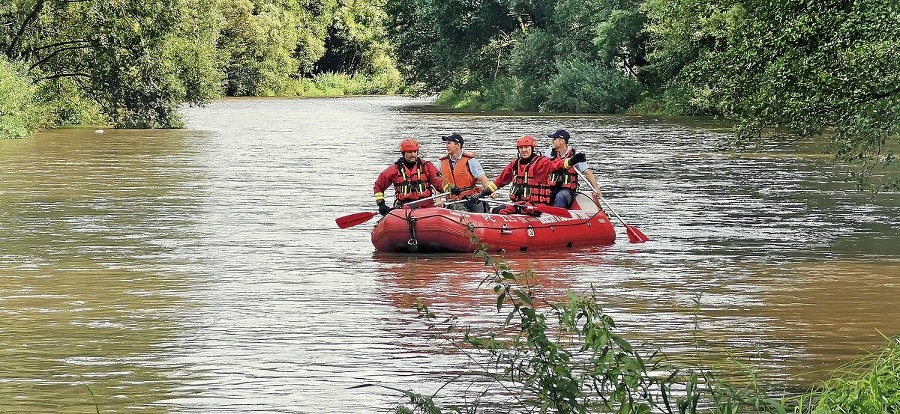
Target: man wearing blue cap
point(462, 173)
point(564, 181)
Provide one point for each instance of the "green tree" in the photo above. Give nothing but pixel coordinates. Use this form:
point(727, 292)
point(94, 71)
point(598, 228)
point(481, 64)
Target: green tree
point(137, 60)
point(357, 44)
point(791, 67)
point(489, 46)
point(451, 44)
point(268, 43)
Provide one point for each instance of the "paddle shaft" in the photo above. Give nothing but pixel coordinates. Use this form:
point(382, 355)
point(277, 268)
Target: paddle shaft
point(426, 199)
point(354, 219)
point(597, 191)
point(634, 235)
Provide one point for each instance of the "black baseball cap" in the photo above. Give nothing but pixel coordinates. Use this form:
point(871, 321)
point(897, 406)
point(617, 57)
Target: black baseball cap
point(454, 137)
point(560, 133)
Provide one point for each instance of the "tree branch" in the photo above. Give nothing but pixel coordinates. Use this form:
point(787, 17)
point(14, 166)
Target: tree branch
point(55, 52)
point(70, 42)
point(63, 75)
point(25, 23)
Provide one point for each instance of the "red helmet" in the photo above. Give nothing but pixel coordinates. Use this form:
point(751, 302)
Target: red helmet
point(409, 144)
point(525, 141)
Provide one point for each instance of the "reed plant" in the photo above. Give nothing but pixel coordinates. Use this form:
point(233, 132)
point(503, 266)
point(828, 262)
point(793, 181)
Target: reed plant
point(868, 385)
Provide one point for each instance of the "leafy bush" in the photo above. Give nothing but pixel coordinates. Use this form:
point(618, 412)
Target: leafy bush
point(586, 87)
point(66, 104)
point(460, 99)
point(20, 115)
point(502, 94)
point(342, 84)
point(673, 99)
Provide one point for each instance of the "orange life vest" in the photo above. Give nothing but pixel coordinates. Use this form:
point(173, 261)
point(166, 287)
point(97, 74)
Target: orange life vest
point(525, 187)
point(459, 176)
point(563, 178)
point(411, 183)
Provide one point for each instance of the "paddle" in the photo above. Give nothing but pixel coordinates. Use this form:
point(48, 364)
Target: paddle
point(351, 220)
point(635, 235)
point(543, 208)
point(354, 219)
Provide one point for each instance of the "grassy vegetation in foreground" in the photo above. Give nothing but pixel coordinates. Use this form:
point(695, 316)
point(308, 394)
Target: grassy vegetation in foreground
point(569, 358)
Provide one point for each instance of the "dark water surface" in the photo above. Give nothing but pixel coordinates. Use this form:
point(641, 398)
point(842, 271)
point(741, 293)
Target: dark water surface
point(200, 270)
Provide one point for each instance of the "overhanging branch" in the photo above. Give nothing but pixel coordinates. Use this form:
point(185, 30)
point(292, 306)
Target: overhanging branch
point(54, 53)
point(63, 75)
point(25, 23)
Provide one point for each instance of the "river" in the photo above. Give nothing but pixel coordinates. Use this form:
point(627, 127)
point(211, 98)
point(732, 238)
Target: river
point(200, 270)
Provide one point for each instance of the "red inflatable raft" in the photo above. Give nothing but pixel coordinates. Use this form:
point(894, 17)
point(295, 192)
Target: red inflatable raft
point(442, 230)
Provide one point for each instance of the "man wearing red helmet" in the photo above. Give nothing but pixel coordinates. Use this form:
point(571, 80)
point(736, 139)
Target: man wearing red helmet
point(529, 174)
point(412, 177)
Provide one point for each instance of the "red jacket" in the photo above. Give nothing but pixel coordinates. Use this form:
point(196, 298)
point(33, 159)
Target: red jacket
point(410, 183)
point(529, 179)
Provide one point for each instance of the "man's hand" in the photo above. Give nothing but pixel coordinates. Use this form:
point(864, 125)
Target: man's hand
point(383, 209)
point(578, 158)
point(486, 192)
point(455, 191)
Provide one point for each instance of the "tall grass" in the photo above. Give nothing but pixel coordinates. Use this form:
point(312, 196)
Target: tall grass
point(867, 385)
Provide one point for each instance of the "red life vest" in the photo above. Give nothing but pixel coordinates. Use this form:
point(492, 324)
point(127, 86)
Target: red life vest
point(563, 178)
point(411, 183)
point(525, 187)
point(459, 176)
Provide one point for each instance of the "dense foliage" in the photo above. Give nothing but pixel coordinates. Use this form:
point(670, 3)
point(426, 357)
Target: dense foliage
point(18, 113)
point(790, 68)
point(783, 69)
point(134, 63)
point(137, 61)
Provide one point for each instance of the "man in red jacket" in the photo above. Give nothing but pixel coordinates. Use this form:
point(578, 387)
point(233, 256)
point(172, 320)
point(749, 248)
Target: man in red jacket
point(529, 174)
point(412, 177)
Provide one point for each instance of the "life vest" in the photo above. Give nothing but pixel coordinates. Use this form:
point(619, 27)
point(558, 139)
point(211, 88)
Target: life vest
point(563, 178)
point(411, 183)
point(525, 187)
point(459, 176)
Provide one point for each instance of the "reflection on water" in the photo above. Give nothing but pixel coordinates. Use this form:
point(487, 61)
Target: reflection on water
point(201, 270)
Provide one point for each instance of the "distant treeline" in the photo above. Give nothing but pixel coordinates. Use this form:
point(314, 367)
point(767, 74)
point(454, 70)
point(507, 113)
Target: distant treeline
point(781, 69)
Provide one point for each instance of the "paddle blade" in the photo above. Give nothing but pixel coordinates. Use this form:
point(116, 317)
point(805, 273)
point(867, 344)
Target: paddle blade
point(556, 211)
point(354, 219)
point(635, 235)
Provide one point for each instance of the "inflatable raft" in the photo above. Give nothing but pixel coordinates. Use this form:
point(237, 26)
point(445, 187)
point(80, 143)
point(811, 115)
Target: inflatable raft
point(436, 229)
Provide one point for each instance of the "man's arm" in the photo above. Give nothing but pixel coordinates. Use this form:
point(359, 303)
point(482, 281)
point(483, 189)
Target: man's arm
point(590, 177)
point(382, 183)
